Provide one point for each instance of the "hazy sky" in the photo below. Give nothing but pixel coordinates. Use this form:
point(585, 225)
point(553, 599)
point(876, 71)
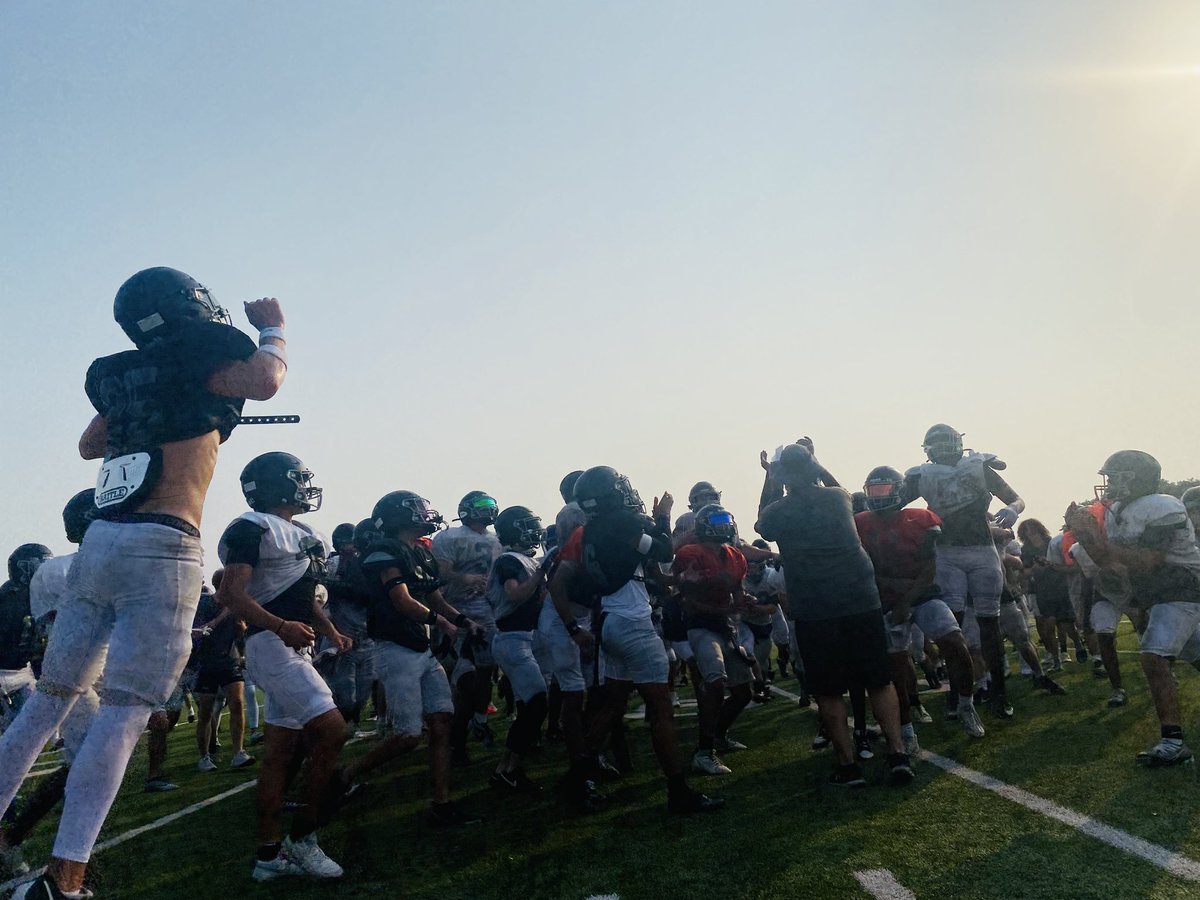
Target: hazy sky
point(513, 239)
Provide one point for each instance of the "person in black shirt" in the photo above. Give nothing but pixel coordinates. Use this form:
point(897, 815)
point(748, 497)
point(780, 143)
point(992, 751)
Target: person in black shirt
point(218, 670)
point(403, 577)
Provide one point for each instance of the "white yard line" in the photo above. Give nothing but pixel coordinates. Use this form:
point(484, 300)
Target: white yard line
point(882, 885)
point(1168, 860)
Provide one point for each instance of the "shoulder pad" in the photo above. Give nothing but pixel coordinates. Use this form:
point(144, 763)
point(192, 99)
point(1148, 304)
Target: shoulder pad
point(1156, 509)
point(914, 472)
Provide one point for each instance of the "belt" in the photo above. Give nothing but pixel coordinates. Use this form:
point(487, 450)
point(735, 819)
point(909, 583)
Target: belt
point(156, 519)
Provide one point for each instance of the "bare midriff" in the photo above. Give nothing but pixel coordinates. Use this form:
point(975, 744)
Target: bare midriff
point(187, 471)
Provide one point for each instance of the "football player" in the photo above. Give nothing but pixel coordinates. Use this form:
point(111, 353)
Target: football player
point(764, 586)
point(20, 642)
point(465, 554)
point(959, 485)
point(516, 589)
point(273, 564)
point(162, 411)
point(218, 671)
point(605, 560)
point(350, 674)
point(709, 574)
point(1145, 553)
point(404, 579)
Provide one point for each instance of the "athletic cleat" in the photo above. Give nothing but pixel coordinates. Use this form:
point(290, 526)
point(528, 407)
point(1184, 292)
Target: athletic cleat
point(206, 764)
point(805, 701)
point(241, 759)
point(921, 715)
point(690, 801)
point(44, 888)
point(255, 737)
point(727, 744)
point(1098, 670)
point(1117, 698)
point(862, 745)
point(1047, 683)
point(821, 741)
point(849, 776)
point(1081, 653)
point(448, 815)
point(912, 747)
point(707, 762)
point(968, 716)
point(159, 786)
point(310, 857)
point(278, 867)
point(605, 770)
point(1000, 707)
point(1167, 752)
point(901, 769)
point(483, 734)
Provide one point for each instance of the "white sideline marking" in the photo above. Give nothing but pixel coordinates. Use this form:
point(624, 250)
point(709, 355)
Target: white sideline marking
point(1168, 860)
point(603, 897)
point(882, 885)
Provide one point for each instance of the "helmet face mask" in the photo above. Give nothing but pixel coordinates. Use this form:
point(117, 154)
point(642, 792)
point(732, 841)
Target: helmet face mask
point(715, 525)
point(1128, 475)
point(883, 489)
point(603, 489)
point(25, 561)
point(520, 528)
point(402, 511)
point(478, 508)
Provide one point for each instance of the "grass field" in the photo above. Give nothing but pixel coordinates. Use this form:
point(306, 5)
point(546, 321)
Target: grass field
point(784, 834)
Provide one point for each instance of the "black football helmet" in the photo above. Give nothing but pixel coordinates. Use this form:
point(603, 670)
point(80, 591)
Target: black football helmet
point(479, 507)
point(702, 494)
point(78, 514)
point(342, 535)
point(603, 489)
point(715, 525)
point(943, 445)
point(518, 526)
point(25, 560)
point(883, 489)
point(365, 533)
point(279, 479)
point(1129, 474)
point(566, 487)
point(153, 303)
point(405, 511)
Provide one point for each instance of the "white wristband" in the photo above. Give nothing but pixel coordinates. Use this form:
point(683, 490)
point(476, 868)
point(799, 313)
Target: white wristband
point(276, 351)
point(272, 332)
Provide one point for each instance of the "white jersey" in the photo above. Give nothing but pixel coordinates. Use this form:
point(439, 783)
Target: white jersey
point(948, 489)
point(766, 593)
point(48, 586)
point(286, 552)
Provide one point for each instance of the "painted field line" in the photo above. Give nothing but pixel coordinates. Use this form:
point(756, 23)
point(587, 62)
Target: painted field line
point(882, 885)
point(1168, 860)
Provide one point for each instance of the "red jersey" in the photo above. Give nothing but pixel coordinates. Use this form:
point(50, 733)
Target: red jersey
point(716, 570)
point(899, 545)
point(572, 550)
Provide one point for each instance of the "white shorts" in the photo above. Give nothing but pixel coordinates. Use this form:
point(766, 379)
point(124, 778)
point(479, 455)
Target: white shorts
point(1172, 631)
point(296, 693)
point(1014, 622)
point(780, 633)
point(1031, 605)
point(683, 651)
point(16, 687)
point(970, 629)
point(932, 617)
point(717, 658)
point(632, 651)
point(479, 651)
point(415, 685)
point(573, 673)
point(973, 571)
point(513, 652)
point(133, 589)
point(1106, 615)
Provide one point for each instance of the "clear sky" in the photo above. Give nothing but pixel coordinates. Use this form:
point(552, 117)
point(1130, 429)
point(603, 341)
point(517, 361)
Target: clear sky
point(513, 239)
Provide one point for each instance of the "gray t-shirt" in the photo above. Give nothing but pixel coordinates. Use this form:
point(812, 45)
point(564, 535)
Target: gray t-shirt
point(828, 573)
point(470, 553)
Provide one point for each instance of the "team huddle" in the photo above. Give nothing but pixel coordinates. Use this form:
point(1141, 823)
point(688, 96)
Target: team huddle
point(419, 622)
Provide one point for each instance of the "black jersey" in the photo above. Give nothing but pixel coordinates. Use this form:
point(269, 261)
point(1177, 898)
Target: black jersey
point(17, 637)
point(419, 570)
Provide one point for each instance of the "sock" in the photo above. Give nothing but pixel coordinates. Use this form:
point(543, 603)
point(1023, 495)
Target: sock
point(95, 777)
point(268, 852)
point(1173, 733)
point(907, 731)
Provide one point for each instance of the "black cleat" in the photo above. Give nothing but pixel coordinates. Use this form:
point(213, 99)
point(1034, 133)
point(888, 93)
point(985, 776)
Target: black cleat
point(1046, 683)
point(901, 768)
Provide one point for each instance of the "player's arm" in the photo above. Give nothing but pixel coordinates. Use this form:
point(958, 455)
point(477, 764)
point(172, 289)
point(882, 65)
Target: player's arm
point(1107, 555)
point(94, 442)
point(1013, 504)
point(233, 596)
point(323, 625)
point(408, 606)
point(261, 375)
point(519, 592)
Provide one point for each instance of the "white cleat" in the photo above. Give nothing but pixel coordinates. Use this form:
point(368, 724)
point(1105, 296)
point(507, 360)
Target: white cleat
point(279, 867)
point(311, 858)
point(706, 761)
point(206, 764)
point(912, 747)
point(968, 716)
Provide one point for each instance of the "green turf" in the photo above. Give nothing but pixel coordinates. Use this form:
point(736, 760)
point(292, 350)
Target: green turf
point(784, 834)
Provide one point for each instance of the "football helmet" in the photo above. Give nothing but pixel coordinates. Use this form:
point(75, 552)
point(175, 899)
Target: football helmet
point(364, 534)
point(943, 445)
point(1191, 497)
point(566, 487)
point(479, 507)
point(1129, 474)
point(715, 525)
point(24, 561)
point(883, 489)
point(518, 526)
point(405, 511)
point(603, 489)
point(279, 479)
point(153, 303)
point(342, 535)
point(78, 514)
point(702, 494)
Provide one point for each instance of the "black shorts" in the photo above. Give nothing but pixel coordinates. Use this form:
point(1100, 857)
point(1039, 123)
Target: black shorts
point(211, 679)
point(1056, 605)
point(851, 651)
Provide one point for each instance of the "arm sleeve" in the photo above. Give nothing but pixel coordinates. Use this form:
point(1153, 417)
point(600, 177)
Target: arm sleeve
point(242, 540)
point(999, 486)
point(507, 567)
point(1161, 535)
